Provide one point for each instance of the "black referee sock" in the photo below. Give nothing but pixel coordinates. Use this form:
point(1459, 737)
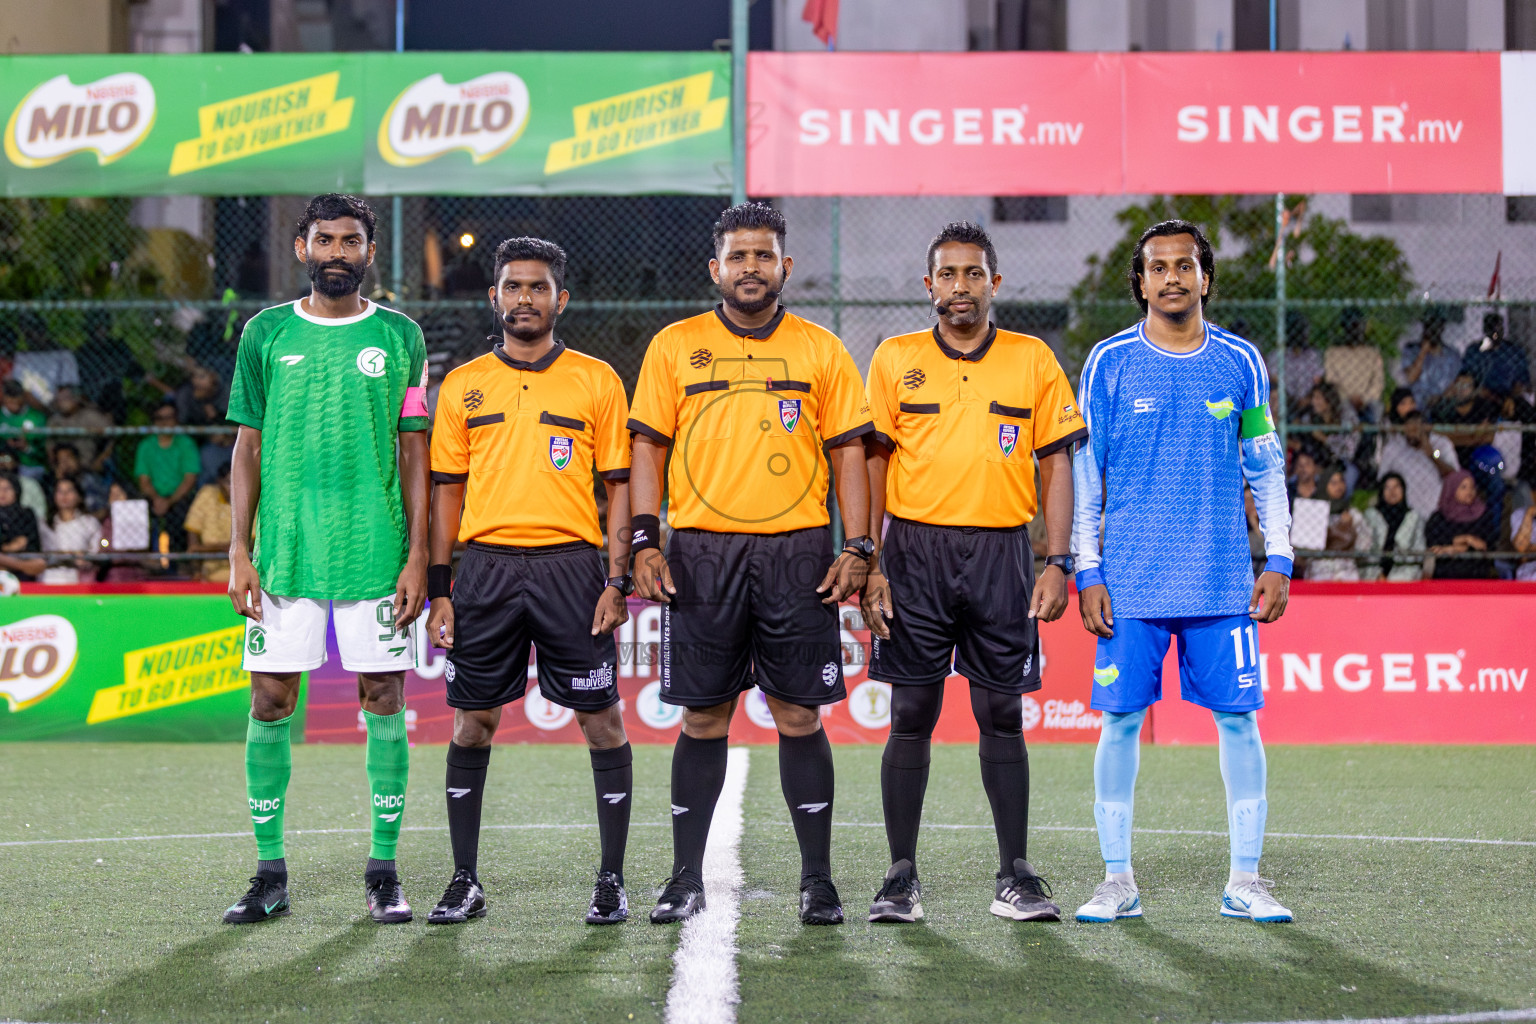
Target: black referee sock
point(805, 773)
point(698, 775)
point(1005, 777)
point(613, 772)
point(903, 782)
point(466, 789)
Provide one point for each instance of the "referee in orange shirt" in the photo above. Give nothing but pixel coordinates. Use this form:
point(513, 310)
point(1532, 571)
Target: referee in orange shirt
point(754, 403)
point(961, 413)
point(517, 435)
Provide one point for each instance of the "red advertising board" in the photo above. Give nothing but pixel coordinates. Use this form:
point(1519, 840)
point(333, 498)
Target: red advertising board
point(1086, 123)
point(1349, 663)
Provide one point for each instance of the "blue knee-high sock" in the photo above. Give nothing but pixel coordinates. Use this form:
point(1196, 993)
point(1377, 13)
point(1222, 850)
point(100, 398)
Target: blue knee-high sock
point(1243, 770)
point(1114, 786)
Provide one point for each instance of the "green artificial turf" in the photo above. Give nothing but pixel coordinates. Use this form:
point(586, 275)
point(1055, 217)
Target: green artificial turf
point(132, 928)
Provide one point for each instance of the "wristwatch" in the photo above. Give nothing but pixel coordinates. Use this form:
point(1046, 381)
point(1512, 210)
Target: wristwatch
point(623, 584)
point(1062, 562)
point(864, 547)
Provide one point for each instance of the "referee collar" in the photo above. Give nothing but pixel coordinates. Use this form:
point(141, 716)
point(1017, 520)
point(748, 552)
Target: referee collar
point(542, 363)
point(973, 356)
point(762, 333)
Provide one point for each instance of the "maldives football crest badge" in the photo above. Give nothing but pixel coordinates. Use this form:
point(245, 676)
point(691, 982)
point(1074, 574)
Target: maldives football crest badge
point(789, 413)
point(1007, 437)
point(560, 452)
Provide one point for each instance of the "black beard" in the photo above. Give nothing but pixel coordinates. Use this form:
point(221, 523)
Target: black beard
point(770, 297)
point(1180, 318)
point(331, 286)
point(975, 315)
point(524, 331)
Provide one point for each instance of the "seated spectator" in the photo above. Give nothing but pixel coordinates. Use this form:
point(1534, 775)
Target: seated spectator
point(1397, 530)
point(1327, 408)
point(1470, 415)
point(126, 570)
point(1422, 458)
point(16, 410)
point(73, 531)
point(31, 490)
point(44, 371)
point(70, 411)
point(1497, 365)
point(65, 465)
point(1346, 531)
point(18, 533)
point(1303, 362)
point(1355, 367)
point(208, 526)
point(216, 453)
point(1461, 524)
point(202, 400)
point(1401, 405)
point(166, 469)
point(1303, 481)
point(1521, 539)
point(1429, 366)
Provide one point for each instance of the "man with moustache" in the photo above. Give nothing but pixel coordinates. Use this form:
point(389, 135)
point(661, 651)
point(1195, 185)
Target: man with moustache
point(754, 404)
point(962, 413)
point(324, 389)
point(518, 434)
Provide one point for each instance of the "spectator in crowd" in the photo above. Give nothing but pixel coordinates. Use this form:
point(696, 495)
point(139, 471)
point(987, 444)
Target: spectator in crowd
point(1303, 481)
point(208, 526)
point(1521, 539)
point(1429, 366)
point(16, 410)
point(123, 570)
point(1355, 367)
point(1421, 457)
point(1326, 407)
point(1496, 364)
point(1398, 531)
point(32, 495)
point(1470, 414)
point(1303, 362)
point(18, 533)
point(1346, 531)
point(106, 364)
point(65, 464)
point(73, 531)
point(1461, 524)
point(203, 400)
point(216, 453)
point(70, 411)
point(1401, 405)
point(166, 469)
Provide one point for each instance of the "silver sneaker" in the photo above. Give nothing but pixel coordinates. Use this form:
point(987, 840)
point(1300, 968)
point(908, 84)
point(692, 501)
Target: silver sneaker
point(1111, 900)
point(1252, 900)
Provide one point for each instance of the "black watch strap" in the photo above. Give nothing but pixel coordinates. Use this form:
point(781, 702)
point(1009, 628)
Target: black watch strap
point(623, 584)
point(1063, 562)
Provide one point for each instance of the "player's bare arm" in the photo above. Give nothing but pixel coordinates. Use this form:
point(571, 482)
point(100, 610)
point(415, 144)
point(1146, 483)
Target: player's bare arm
point(447, 506)
point(612, 610)
point(1056, 500)
point(845, 576)
point(653, 577)
point(244, 490)
point(875, 599)
point(415, 485)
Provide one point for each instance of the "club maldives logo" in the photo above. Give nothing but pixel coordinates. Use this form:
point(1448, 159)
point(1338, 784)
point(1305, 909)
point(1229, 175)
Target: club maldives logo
point(108, 117)
point(36, 657)
point(482, 116)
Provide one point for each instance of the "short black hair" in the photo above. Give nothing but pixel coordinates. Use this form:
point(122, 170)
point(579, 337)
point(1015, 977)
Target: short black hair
point(1493, 323)
point(969, 234)
point(12, 389)
point(527, 248)
point(1165, 229)
point(334, 206)
point(746, 216)
point(66, 446)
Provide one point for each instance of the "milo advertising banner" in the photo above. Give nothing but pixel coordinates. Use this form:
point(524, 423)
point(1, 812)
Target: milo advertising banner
point(122, 667)
point(461, 123)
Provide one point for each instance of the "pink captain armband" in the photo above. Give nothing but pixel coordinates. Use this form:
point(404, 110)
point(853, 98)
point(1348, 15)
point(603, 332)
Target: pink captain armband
point(415, 403)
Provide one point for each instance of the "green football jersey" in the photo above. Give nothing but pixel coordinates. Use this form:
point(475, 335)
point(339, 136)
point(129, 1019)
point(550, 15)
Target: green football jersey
point(329, 397)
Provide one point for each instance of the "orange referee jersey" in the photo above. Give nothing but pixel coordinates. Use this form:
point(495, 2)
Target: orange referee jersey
point(749, 415)
point(525, 437)
point(961, 427)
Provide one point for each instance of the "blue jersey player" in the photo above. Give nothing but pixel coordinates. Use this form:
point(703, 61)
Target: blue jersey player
point(1178, 419)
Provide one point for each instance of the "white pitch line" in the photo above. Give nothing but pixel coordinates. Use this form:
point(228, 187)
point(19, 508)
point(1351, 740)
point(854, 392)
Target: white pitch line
point(1480, 1017)
point(1210, 832)
point(704, 983)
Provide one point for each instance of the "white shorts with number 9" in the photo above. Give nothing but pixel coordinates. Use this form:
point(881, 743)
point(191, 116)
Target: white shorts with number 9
point(291, 636)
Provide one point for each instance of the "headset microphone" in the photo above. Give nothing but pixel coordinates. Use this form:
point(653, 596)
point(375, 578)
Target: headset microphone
point(939, 308)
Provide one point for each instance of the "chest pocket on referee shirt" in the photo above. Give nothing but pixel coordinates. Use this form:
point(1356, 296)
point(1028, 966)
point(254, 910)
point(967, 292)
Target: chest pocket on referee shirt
point(490, 436)
point(917, 425)
point(1006, 435)
point(713, 409)
point(563, 444)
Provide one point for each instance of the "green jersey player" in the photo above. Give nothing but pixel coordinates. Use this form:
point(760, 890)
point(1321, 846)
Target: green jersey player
point(324, 388)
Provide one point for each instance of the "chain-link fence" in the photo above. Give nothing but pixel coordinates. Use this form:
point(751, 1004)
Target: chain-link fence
point(110, 308)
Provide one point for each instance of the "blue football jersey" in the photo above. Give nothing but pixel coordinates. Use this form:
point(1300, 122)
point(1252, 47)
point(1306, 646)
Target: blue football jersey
point(1166, 446)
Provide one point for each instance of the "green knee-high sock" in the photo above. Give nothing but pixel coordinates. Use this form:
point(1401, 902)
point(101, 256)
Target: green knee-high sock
point(388, 763)
point(268, 763)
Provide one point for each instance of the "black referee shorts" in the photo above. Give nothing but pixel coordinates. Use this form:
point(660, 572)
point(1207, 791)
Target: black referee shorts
point(506, 598)
point(961, 591)
point(746, 614)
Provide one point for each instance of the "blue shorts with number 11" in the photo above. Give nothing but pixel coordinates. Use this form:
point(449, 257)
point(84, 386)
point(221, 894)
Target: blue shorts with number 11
point(1218, 664)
